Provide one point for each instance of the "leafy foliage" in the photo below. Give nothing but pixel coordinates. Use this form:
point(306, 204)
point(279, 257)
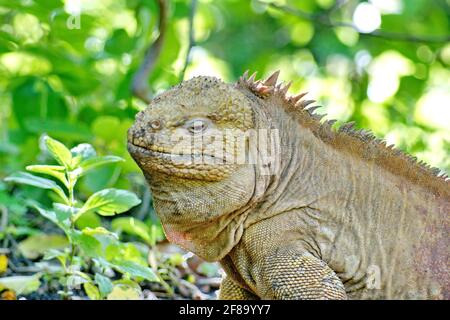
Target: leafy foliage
point(91, 243)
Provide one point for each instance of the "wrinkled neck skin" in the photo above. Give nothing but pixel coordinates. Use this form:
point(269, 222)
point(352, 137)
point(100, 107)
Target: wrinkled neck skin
point(299, 177)
point(206, 218)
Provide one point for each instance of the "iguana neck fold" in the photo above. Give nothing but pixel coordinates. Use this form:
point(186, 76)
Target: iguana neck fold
point(219, 224)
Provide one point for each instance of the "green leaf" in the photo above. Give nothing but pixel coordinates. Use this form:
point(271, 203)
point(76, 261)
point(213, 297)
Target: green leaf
point(88, 244)
point(56, 254)
point(50, 215)
point(124, 292)
point(54, 171)
point(209, 269)
point(105, 285)
point(101, 177)
point(64, 212)
point(52, 254)
point(124, 251)
point(59, 152)
point(134, 270)
point(109, 202)
point(54, 217)
point(92, 291)
point(21, 284)
point(37, 245)
point(132, 226)
point(88, 219)
point(99, 231)
point(94, 162)
point(77, 278)
point(32, 180)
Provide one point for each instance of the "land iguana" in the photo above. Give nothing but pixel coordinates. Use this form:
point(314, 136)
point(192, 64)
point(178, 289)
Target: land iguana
point(312, 212)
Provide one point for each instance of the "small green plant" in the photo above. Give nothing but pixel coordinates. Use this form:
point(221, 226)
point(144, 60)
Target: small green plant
point(89, 247)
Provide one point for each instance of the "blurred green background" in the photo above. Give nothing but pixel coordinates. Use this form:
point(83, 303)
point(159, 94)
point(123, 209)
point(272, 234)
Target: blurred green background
point(66, 68)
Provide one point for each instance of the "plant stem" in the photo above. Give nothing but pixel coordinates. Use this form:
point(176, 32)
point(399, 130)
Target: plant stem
point(72, 246)
point(71, 195)
point(72, 223)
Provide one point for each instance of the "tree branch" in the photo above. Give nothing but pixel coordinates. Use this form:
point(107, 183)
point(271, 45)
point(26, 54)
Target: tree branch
point(192, 10)
point(139, 86)
point(325, 20)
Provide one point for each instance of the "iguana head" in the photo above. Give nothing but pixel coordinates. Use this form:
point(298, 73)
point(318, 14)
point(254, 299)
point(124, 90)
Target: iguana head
point(186, 131)
point(191, 143)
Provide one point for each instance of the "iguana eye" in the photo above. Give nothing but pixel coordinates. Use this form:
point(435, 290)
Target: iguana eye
point(196, 126)
point(155, 124)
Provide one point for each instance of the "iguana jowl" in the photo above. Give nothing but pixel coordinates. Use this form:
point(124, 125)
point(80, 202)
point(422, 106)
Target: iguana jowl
point(341, 215)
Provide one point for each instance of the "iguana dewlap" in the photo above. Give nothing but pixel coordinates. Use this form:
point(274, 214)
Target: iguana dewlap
point(306, 211)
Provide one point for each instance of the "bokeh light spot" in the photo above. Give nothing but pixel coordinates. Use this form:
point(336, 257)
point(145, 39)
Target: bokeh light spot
point(366, 17)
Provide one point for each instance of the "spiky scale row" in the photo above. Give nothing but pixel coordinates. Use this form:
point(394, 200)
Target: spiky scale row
point(270, 86)
point(261, 89)
point(305, 103)
point(347, 127)
point(271, 81)
point(312, 109)
point(284, 89)
point(296, 98)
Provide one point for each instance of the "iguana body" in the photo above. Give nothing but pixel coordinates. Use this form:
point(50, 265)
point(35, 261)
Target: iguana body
point(332, 215)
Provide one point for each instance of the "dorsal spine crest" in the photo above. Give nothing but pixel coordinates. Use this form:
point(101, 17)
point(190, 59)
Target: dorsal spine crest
point(296, 105)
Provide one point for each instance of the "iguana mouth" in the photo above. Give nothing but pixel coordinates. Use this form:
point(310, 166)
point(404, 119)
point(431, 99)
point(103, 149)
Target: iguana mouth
point(151, 147)
point(152, 150)
point(165, 153)
point(188, 166)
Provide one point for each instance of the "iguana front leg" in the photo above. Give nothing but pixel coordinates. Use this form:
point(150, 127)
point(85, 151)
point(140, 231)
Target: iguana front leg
point(295, 274)
point(231, 291)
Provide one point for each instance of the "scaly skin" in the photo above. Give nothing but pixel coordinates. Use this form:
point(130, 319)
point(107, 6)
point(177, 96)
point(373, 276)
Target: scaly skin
point(331, 215)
